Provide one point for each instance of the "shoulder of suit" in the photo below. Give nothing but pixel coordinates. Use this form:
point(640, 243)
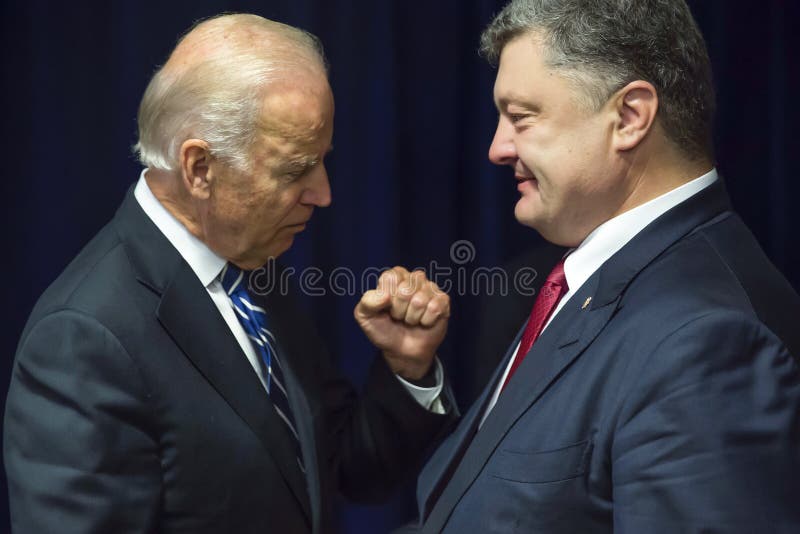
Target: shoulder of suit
point(97, 275)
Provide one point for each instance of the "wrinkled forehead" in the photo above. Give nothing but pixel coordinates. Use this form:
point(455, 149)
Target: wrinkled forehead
point(300, 110)
point(521, 65)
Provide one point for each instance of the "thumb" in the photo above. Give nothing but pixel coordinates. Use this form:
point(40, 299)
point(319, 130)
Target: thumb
point(372, 303)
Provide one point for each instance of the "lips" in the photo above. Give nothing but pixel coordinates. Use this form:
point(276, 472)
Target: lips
point(526, 183)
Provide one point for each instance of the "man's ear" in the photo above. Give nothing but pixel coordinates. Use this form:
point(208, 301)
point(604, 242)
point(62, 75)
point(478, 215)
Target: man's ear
point(636, 105)
point(195, 161)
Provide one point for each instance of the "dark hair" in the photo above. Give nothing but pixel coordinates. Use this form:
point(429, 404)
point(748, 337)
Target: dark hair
point(602, 45)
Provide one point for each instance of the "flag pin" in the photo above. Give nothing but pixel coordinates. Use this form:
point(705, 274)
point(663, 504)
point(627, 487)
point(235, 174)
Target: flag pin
point(588, 300)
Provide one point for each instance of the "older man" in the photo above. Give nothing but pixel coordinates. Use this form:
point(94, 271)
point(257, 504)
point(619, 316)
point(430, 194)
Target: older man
point(153, 390)
point(655, 386)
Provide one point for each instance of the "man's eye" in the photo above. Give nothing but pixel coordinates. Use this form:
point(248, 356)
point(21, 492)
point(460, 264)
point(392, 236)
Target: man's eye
point(294, 174)
point(516, 117)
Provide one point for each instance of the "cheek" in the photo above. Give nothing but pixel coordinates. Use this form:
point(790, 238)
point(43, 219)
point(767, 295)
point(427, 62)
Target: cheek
point(546, 154)
point(583, 155)
point(268, 213)
point(229, 217)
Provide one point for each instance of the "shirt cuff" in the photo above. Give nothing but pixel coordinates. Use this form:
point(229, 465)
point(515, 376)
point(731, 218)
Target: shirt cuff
point(428, 398)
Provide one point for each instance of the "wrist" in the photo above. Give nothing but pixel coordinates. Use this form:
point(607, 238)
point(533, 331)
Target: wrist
point(416, 370)
point(428, 380)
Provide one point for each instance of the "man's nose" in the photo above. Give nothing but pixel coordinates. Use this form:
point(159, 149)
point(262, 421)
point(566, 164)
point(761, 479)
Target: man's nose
point(318, 193)
point(502, 150)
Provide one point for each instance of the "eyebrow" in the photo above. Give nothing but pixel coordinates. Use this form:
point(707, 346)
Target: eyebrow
point(507, 101)
point(305, 162)
point(302, 162)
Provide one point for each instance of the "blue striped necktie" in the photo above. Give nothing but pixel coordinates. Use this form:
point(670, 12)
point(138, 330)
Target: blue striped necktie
point(254, 320)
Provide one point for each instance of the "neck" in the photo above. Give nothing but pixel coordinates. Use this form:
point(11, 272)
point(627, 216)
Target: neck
point(167, 189)
point(652, 173)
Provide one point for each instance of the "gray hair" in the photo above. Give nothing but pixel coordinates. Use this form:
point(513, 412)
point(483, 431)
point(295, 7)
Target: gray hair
point(602, 45)
point(218, 99)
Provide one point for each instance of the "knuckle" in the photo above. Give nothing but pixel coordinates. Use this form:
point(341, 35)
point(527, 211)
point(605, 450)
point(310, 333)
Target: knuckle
point(405, 292)
point(418, 275)
point(435, 289)
point(419, 300)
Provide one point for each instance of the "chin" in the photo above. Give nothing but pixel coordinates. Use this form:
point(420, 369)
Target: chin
point(526, 216)
point(279, 248)
point(536, 222)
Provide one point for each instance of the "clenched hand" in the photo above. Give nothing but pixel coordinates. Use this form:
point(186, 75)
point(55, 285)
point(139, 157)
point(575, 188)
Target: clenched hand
point(406, 317)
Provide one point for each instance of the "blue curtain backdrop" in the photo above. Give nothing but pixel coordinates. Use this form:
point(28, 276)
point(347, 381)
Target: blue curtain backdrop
point(414, 119)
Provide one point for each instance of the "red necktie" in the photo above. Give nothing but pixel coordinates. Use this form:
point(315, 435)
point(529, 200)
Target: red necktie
point(551, 292)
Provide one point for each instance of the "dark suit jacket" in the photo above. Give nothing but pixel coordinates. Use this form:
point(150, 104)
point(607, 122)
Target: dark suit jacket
point(669, 403)
point(501, 315)
point(132, 408)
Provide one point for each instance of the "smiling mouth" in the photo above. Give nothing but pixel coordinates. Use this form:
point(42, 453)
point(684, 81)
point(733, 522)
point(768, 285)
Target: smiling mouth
point(524, 187)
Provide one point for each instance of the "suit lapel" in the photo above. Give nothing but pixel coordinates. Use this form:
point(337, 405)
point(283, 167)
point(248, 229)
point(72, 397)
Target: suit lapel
point(570, 334)
point(189, 315)
point(283, 327)
point(447, 457)
point(557, 348)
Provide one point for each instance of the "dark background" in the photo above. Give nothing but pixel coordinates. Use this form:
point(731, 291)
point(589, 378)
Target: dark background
point(414, 119)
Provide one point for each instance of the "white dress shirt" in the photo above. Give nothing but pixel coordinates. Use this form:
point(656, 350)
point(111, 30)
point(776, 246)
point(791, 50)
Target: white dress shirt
point(207, 266)
point(605, 241)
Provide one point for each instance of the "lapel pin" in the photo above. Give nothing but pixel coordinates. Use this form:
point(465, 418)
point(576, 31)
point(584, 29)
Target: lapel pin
point(588, 300)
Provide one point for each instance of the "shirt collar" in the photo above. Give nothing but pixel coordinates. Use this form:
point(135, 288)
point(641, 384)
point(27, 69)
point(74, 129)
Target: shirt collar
point(608, 238)
point(204, 262)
